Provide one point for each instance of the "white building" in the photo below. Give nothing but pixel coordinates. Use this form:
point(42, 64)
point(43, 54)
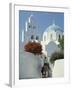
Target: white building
point(30, 65)
point(49, 38)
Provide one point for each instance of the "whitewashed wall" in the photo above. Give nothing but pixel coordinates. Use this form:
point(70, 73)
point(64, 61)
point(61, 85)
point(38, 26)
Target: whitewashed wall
point(58, 70)
point(29, 66)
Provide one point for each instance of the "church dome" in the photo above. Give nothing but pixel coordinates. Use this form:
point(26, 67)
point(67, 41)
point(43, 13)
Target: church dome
point(54, 27)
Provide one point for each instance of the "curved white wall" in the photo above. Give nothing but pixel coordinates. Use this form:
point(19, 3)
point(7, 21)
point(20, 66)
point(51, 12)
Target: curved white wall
point(29, 66)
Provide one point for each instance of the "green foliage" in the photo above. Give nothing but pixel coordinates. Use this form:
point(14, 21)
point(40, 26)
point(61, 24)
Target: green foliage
point(56, 55)
point(61, 41)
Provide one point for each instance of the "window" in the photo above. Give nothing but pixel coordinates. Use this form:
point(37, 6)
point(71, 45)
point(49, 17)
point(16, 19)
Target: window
point(29, 26)
point(37, 38)
point(34, 27)
point(59, 37)
point(51, 37)
point(44, 38)
point(32, 37)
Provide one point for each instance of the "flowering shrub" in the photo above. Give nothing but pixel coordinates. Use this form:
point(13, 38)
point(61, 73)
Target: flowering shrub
point(33, 47)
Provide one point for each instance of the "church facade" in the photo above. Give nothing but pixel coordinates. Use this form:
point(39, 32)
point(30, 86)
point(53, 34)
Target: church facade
point(49, 39)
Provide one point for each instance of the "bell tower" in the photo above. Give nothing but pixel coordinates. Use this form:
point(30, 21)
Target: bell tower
point(31, 29)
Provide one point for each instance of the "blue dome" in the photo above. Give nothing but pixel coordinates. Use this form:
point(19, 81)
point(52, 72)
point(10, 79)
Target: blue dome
point(53, 27)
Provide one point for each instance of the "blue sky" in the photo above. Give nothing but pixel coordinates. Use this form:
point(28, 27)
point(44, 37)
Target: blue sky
point(44, 19)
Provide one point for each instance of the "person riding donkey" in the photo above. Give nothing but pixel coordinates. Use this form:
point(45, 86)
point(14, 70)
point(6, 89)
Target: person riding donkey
point(46, 70)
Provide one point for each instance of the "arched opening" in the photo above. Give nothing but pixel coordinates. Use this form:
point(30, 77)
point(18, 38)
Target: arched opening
point(34, 27)
point(59, 37)
point(51, 36)
point(32, 37)
point(29, 25)
point(37, 37)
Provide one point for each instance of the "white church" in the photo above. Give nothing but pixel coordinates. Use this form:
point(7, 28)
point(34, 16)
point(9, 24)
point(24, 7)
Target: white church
point(29, 64)
point(49, 39)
